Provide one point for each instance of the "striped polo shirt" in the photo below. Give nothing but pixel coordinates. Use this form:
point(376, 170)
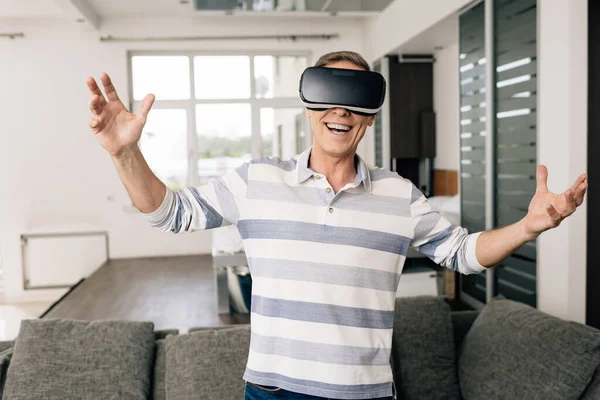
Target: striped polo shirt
point(325, 267)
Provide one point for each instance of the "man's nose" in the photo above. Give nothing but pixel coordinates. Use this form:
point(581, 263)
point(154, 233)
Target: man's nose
point(342, 112)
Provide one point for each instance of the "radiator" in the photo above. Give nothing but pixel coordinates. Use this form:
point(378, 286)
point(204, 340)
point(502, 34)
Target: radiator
point(61, 259)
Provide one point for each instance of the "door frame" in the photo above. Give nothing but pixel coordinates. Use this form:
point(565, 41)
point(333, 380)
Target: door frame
point(593, 193)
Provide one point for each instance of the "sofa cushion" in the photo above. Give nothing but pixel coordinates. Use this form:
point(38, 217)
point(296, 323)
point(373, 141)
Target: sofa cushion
point(65, 359)
point(6, 351)
point(423, 352)
point(5, 356)
point(209, 328)
point(163, 333)
point(593, 390)
point(514, 351)
point(207, 364)
point(160, 363)
point(160, 371)
point(6, 344)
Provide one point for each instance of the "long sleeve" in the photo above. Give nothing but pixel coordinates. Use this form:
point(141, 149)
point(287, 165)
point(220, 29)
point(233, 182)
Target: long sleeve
point(448, 245)
point(213, 205)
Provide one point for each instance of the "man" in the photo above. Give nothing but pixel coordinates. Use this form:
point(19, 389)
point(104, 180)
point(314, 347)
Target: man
point(326, 238)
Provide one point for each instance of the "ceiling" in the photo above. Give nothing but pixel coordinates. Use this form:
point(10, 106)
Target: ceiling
point(29, 9)
point(32, 9)
point(439, 36)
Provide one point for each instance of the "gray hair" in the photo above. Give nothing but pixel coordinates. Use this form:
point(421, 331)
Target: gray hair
point(348, 56)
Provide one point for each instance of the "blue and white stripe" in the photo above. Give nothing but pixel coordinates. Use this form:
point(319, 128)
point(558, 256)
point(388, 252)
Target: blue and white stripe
point(325, 266)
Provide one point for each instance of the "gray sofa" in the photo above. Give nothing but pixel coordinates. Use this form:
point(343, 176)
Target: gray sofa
point(507, 351)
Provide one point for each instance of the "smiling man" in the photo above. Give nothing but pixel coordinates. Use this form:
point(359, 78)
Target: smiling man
point(326, 238)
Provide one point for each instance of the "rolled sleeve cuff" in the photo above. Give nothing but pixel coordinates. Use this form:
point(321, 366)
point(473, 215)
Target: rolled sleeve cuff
point(473, 264)
point(161, 213)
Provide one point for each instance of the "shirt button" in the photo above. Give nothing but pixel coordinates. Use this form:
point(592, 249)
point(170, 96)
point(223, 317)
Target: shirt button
point(318, 176)
point(328, 190)
point(330, 210)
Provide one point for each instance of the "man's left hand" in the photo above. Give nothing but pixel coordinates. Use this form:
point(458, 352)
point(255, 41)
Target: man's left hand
point(546, 209)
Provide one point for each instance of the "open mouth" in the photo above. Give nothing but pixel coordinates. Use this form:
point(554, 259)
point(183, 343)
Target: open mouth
point(338, 129)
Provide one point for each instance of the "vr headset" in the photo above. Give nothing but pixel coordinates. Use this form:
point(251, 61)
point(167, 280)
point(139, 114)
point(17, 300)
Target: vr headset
point(361, 92)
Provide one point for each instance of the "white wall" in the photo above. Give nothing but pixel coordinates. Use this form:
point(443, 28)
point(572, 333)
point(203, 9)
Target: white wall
point(446, 103)
point(562, 147)
point(403, 20)
point(52, 171)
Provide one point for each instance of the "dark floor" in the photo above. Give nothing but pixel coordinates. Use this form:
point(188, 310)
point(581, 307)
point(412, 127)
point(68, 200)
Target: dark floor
point(172, 292)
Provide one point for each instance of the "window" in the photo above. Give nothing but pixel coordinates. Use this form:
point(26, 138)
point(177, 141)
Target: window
point(283, 131)
point(211, 72)
point(274, 75)
point(224, 138)
point(164, 144)
point(147, 70)
point(214, 112)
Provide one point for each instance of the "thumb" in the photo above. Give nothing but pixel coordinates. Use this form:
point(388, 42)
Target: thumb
point(542, 178)
point(142, 115)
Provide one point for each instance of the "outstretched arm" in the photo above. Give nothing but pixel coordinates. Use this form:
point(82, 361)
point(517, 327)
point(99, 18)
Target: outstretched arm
point(119, 131)
point(546, 211)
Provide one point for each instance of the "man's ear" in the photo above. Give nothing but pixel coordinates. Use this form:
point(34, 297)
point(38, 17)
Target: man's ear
point(371, 120)
point(308, 113)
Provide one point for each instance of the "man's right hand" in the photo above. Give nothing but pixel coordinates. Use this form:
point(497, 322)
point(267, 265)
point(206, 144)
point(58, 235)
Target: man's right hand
point(115, 127)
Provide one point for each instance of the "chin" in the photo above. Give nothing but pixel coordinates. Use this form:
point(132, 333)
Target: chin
point(337, 149)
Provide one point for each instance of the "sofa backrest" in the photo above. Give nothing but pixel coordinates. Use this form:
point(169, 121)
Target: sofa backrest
point(461, 324)
point(423, 349)
point(521, 352)
point(592, 392)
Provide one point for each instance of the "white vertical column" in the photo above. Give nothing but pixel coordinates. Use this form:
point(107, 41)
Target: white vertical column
point(385, 117)
point(562, 147)
point(255, 115)
point(192, 135)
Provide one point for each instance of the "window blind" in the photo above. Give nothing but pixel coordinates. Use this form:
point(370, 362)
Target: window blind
point(472, 134)
point(516, 134)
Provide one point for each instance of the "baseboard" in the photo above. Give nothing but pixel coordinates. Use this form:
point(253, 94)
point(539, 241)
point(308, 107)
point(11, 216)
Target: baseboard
point(61, 299)
point(34, 295)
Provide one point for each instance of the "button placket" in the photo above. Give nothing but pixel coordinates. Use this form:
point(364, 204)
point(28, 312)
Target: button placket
point(328, 188)
point(330, 207)
point(330, 196)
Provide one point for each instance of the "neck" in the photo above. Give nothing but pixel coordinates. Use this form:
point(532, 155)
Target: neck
point(339, 171)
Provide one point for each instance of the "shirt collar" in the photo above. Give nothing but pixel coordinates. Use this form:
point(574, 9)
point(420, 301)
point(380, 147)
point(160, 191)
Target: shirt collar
point(303, 172)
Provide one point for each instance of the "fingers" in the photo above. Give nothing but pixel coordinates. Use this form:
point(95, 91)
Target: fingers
point(542, 178)
point(580, 193)
point(570, 205)
point(93, 123)
point(145, 108)
point(582, 178)
point(95, 90)
point(110, 90)
point(95, 106)
point(554, 215)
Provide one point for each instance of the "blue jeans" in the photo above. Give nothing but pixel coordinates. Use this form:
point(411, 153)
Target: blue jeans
point(259, 392)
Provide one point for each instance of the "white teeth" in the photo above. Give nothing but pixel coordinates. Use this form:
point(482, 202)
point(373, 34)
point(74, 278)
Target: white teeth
point(344, 128)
